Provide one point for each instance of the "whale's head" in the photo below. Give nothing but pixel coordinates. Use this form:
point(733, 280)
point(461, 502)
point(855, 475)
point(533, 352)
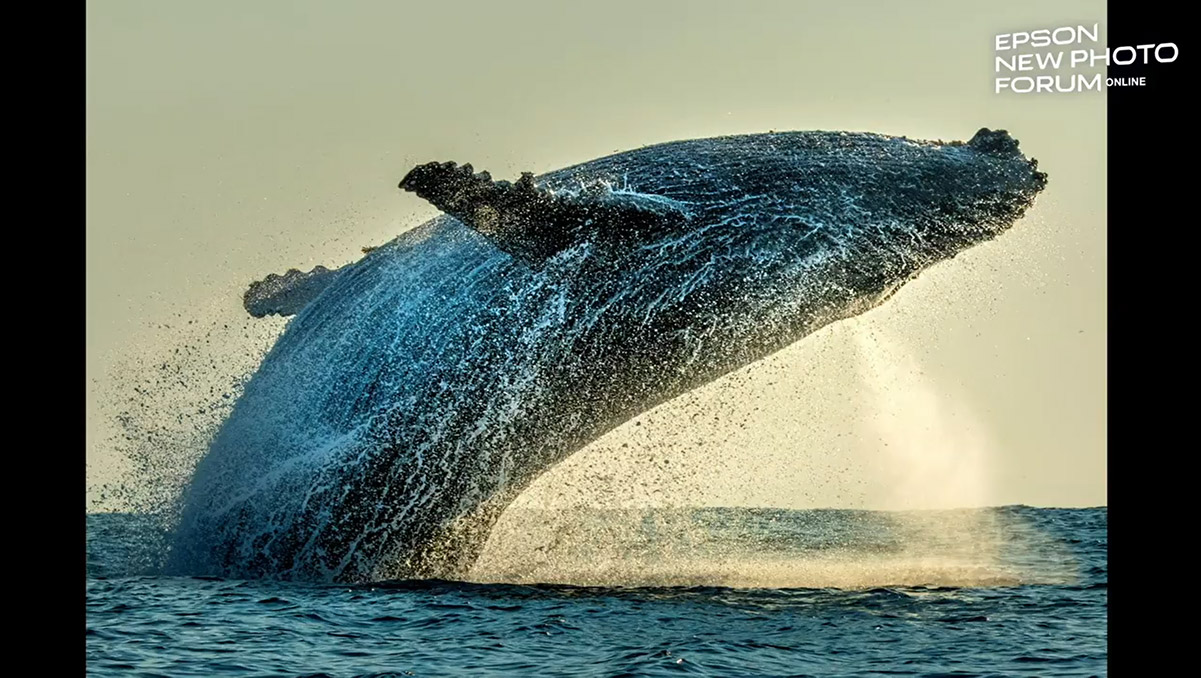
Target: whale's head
point(864, 212)
point(879, 200)
point(762, 238)
point(978, 189)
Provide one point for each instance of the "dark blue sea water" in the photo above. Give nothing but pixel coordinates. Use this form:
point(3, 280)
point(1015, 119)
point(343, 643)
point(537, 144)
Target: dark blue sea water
point(1013, 591)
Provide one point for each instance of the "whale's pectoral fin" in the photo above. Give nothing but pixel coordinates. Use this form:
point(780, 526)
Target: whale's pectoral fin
point(286, 294)
point(532, 223)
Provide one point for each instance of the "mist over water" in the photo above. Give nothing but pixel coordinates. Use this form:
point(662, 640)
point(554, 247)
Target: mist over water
point(933, 450)
point(767, 548)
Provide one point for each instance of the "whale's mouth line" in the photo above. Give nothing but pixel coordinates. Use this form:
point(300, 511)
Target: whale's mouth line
point(470, 354)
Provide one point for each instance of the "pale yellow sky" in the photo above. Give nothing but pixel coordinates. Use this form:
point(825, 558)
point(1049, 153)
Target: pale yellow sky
point(230, 140)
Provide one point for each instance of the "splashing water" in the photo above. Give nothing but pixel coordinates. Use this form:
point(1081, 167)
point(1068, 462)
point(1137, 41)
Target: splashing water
point(162, 404)
point(768, 548)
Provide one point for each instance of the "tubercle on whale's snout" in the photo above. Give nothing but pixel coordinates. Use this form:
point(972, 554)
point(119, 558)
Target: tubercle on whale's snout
point(1001, 143)
point(1040, 178)
point(998, 141)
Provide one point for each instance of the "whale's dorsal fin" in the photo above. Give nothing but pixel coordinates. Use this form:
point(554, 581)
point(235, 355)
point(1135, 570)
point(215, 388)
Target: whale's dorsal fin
point(531, 223)
point(286, 294)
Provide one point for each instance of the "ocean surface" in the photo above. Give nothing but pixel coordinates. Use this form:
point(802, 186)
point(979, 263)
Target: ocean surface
point(1011, 591)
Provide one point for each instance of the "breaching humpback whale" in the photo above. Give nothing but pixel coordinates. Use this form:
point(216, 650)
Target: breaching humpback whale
point(419, 389)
